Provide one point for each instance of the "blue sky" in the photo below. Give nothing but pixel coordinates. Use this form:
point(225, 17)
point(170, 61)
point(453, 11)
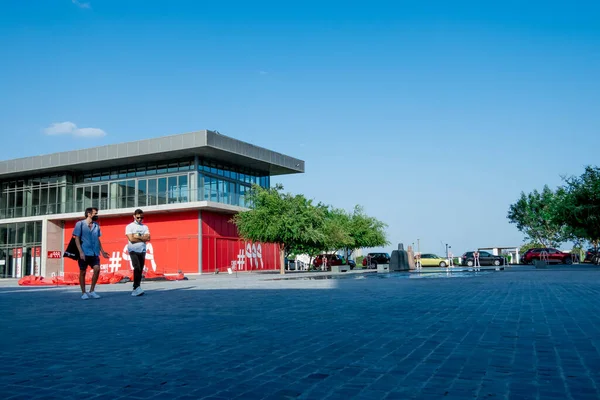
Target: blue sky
point(433, 115)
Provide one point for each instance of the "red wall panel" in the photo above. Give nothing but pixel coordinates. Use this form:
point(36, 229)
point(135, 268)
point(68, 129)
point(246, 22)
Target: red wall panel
point(173, 248)
point(222, 248)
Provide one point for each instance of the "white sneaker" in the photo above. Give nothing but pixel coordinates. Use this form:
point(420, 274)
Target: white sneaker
point(94, 295)
point(85, 296)
point(137, 291)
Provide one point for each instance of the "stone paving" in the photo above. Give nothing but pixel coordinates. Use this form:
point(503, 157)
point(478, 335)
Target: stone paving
point(515, 334)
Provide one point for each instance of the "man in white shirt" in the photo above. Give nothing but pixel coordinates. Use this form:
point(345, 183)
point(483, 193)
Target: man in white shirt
point(138, 234)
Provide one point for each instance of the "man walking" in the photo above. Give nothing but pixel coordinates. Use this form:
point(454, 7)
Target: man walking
point(138, 234)
point(87, 238)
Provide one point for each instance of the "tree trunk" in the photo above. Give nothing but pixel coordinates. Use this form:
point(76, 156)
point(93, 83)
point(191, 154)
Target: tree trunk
point(282, 259)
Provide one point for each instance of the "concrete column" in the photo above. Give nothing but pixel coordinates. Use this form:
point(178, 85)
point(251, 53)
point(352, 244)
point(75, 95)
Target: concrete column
point(53, 240)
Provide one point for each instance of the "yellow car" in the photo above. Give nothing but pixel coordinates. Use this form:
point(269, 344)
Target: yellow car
point(431, 260)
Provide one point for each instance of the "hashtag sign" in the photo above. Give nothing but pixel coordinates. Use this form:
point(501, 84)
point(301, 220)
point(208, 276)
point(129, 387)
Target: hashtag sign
point(115, 261)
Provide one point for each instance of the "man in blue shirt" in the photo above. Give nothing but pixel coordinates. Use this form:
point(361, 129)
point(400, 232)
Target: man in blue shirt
point(87, 237)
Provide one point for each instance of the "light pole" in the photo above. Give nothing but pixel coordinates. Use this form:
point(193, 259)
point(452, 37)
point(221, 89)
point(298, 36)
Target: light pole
point(446, 250)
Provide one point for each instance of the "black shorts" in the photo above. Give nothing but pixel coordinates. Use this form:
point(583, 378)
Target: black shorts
point(90, 261)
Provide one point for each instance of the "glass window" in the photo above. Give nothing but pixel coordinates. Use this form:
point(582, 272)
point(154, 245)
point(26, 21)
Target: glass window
point(35, 200)
point(30, 232)
point(214, 192)
point(121, 194)
point(221, 185)
point(162, 190)
point(184, 192)
point(161, 169)
point(38, 232)
point(141, 202)
point(96, 196)
point(43, 201)
point(185, 165)
point(141, 171)
point(87, 197)
point(131, 195)
point(114, 174)
point(20, 239)
point(10, 236)
point(18, 204)
point(233, 193)
point(173, 168)
point(103, 196)
point(52, 200)
point(10, 196)
point(3, 234)
point(172, 190)
point(207, 182)
point(152, 195)
point(79, 199)
point(243, 190)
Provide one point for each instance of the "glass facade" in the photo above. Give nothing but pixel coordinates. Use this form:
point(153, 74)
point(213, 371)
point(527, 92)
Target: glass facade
point(23, 235)
point(34, 196)
point(135, 186)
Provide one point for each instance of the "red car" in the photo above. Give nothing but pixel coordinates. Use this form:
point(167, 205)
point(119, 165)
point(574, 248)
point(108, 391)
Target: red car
point(552, 255)
point(330, 259)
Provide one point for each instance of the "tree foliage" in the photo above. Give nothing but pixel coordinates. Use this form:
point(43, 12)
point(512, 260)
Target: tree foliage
point(366, 231)
point(535, 215)
point(579, 208)
point(300, 227)
point(282, 218)
point(529, 245)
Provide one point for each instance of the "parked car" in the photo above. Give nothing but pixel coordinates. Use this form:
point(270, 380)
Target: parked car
point(351, 263)
point(328, 260)
point(431, 260)
point(485, 258)
point(372, 259)
point(294, 265)
point(591, 255)
point(553, 255)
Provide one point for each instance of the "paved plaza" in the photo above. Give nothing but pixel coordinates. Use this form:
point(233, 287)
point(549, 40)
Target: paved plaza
point(515, 334)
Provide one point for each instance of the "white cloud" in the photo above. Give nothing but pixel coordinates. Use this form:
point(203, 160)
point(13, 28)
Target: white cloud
point(80, 4)
point(69, 128)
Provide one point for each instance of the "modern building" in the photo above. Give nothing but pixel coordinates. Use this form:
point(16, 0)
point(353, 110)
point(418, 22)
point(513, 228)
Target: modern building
point(188, 185)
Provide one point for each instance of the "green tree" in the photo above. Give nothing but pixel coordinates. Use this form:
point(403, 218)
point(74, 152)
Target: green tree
point(529, 245)
point(366, 231)
point(535, 215)
point(579, 208)
point(337, 230)
point(292, 222)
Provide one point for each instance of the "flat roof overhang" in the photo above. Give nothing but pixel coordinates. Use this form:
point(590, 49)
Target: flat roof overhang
point(205, 144)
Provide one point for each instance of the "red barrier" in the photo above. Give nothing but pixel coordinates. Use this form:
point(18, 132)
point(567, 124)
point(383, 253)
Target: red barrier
point(105, 278)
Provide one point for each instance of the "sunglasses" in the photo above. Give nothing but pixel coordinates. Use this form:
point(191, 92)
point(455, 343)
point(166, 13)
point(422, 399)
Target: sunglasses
point(139, 217)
